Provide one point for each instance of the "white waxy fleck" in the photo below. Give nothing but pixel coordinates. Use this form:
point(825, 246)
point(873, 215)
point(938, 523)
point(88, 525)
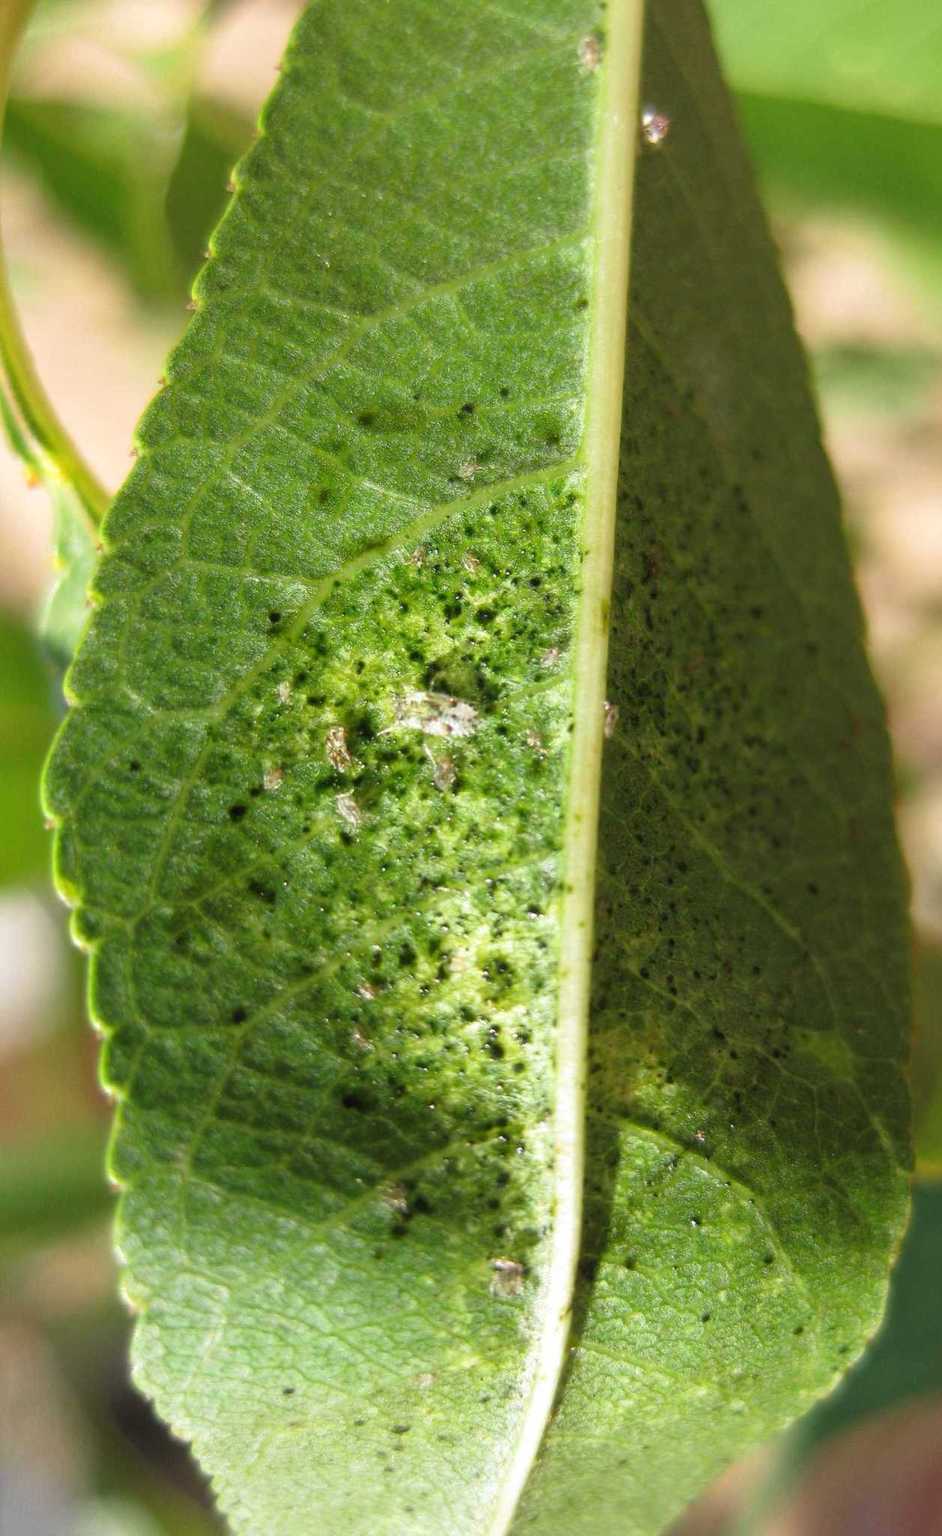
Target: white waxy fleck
point(590, 53)
point(395, 1198)
point(443, 770)
point(284, 692)
point(436, 714)
point(610, 719)
point(349, 811)
point(361, 1041)
point(272, 779)
point(336, 749)
point(507, 1279)
point(655, 126)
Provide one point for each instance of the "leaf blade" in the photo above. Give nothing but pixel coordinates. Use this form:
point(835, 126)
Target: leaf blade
point(495, 445)
point(719, 1237)
point(326, 1215)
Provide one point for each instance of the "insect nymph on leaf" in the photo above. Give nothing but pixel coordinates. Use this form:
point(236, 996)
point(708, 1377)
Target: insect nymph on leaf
point(436, 714)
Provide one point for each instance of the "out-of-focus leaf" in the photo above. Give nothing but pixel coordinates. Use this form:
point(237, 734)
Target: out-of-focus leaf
point(904, 1362)
point(147, 189)
point(75, 554)
point(108, 164)
point(927, 1060)
point(27, 721)
point(215, 138)
point(115, 1517)
point(893, 379)
point(852, 53)
point(52, 1185)
point(814, 154)
point(842, 108)
point(29, 420)
point(905, 1359)
point(108, 169)
point(75, 549)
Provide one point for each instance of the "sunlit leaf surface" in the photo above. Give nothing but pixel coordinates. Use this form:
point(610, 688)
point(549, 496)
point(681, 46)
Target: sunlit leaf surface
point(326, 806)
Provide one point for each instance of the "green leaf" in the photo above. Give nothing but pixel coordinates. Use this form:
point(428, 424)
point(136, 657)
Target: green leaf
point(904, 1363)
point(847, 53)
point(146, 179)
point(327, 806)
point(840, 107)
point(149, 188)
point(51, 1186)
point(36, 435)
point(906, 1359)
point(215, 137)
point(108, 169)
point(75, 550)
point(886, 169)
point(882, 379)
point(26, 727)
point(29, 421)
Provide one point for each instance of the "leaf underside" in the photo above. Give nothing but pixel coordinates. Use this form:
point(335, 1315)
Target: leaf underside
point(324, 905)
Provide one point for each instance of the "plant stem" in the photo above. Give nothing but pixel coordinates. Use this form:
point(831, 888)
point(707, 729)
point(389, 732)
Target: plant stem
point(55, 450)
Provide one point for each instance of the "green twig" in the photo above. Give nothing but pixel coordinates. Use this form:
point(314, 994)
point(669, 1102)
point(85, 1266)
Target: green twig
point(49, 450)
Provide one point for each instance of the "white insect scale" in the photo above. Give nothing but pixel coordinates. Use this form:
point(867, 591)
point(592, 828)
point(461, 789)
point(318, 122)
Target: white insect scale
point(436, 714)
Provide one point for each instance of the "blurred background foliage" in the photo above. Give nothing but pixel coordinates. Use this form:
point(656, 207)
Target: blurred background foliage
point(124, 123)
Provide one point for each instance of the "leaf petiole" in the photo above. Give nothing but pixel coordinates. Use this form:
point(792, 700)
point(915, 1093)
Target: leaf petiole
point(34, 430)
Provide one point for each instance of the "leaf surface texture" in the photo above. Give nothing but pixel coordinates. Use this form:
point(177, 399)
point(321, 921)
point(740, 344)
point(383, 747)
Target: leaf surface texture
point(316, 808)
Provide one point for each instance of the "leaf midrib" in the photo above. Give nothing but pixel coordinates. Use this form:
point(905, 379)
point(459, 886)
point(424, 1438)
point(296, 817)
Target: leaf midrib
point(613, 157)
